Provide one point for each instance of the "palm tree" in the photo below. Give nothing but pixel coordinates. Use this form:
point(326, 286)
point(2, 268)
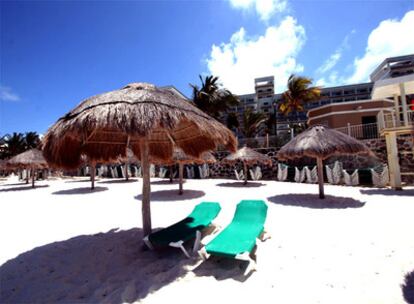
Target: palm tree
point(212, 98)
point(252, 122)
point(32, 140)
point(232, 121)
point(15, 144)
point(299, 92)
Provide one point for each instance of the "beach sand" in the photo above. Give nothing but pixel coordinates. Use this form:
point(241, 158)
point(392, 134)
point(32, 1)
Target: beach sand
point(63, 243)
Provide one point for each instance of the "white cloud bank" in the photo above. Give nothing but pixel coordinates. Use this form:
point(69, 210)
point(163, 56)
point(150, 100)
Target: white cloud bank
point(390, 38)
point(264, 8)
point(244, 58)
point(7, 94)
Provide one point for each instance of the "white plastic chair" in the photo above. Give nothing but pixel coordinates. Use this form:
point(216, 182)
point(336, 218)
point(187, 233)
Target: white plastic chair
point(282, 172)
point(299, 175)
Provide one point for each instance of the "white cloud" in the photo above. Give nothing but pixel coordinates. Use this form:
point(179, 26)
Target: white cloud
point(265, 8)
point(390, 38)
point(7, 94)
point(331, 62)
point(244, 58)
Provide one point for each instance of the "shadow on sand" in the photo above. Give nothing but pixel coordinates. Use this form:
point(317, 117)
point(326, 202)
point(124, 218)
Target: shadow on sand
point(79, 181)
point(408, 287)
point(313, 201)
point(389, 192)
point(172, 195)
point(241, 184)
point(222, 269)
point(107, 267)
point(166, 182)
point(119, 181)
point(25, 187)
point(82, 190)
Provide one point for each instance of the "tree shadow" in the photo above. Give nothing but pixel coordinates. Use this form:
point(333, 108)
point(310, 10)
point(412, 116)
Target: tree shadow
point(26, 187)
point(313, 201)
point(79, 181)
point(172, 195)
point(388, 192)
point(241, 184)
point(82, 190)
point(107, 267)
point(222, 269)
point(119, 181)
point(17, 184)
point(166, 182)
point(408, 287)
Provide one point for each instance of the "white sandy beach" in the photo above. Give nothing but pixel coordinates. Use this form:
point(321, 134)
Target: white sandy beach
point(63, 243)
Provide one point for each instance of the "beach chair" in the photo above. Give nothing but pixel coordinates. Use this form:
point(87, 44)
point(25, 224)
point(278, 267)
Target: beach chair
point(282, 172)
point(239, 238)
point(299, 175)
point(189, 228)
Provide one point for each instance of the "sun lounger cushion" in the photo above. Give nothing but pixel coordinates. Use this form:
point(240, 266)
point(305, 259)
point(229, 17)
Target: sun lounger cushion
point(201, 217)
point(241, 234)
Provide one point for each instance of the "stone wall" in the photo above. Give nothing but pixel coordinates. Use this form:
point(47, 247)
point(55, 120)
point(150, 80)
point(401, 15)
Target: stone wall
point(352, 162)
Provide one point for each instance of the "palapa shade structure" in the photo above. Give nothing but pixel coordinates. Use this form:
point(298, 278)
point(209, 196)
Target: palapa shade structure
point(32, 159)
point(247, 156)
point(321, 142)
point(180, 158)
point(148, 120)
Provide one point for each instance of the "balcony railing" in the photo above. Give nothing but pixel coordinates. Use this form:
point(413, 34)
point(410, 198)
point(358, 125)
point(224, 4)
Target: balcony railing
point(391, 119)
point(363, 131)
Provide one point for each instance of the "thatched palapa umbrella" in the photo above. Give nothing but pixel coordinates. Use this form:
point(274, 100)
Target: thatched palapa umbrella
point(148, 120)
point(181, 158)
point(32, 159)
point(248, 157)
point(321, 142)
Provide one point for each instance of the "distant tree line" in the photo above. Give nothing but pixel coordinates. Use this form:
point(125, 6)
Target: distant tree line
point(16, 143)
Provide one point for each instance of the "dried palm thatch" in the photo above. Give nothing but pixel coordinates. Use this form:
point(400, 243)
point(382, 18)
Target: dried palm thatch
point(102, 126)
point(148, 120)
point(248, 157)
point(180, 158)
point(321, 142)
point(32, 159)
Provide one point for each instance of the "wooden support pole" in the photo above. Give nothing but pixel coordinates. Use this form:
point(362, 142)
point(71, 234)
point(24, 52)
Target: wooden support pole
point(181, 173)
point(146, 188)
point(245, 172)
point(126, 170)
point(33, 177)
point(92, 176)
point(320, 177)
point(171, 173)
point(27, 175)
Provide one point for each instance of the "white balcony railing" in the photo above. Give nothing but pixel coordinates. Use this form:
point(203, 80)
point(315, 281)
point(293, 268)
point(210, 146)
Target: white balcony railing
point(363, 131)
point(390, 119)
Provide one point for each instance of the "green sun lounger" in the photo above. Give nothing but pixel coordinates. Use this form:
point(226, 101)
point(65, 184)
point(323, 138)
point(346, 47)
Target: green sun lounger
point(189, 228)
point(239, 238)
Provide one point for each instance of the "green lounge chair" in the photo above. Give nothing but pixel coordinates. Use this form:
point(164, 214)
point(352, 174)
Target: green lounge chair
point(239, 238)
point(176, 235)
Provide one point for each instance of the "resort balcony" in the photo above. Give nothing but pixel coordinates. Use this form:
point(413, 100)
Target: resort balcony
point(396, 120)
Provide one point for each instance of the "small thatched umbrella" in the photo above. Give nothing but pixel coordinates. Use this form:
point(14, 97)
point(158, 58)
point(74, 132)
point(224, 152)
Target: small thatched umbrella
point(181, 158)
point(321, 142)
point(148, 120)
point(32, 159)
point(247, 156)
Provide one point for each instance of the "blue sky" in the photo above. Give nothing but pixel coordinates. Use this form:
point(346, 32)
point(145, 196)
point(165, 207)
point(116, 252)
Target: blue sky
point(53, 54)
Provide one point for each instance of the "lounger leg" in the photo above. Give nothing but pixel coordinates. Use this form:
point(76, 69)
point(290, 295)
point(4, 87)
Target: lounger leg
point(246, 257)
point(203, 254)
point(265, 235)
point(179, 244)
point(197, 241)
point(148, 243)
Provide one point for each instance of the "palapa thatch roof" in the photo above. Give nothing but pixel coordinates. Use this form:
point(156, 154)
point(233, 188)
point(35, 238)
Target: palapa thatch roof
point(323, 142)
point(248, 156)
point(32, 158)
point(103, 126)
point(180, 157)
